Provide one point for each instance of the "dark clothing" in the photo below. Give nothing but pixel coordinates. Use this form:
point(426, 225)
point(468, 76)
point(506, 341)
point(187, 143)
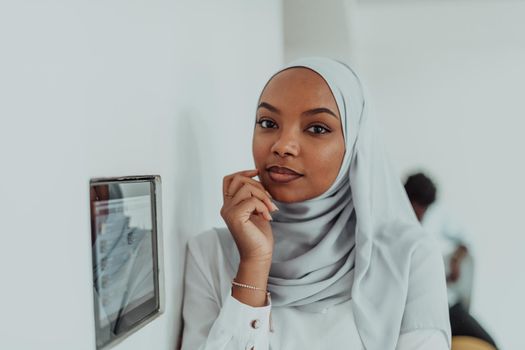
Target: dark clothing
point(462, 323)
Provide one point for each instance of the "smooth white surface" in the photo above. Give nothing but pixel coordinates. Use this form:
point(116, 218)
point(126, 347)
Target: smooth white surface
point(447, 81)
point(217, 321)
point(317, 28)
point(98, 88)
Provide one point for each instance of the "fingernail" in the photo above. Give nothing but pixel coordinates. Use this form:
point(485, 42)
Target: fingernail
point(269, 195)
point(274, 207)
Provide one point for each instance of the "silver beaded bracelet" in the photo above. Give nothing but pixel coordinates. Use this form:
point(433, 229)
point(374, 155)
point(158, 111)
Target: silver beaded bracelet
point(248, 286)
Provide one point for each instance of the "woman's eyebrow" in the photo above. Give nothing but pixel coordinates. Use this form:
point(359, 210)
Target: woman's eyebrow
point(309, 112)
point(269, 107)
point(319, 110)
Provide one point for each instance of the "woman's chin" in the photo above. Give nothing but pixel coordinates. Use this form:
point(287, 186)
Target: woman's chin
point(284, 196)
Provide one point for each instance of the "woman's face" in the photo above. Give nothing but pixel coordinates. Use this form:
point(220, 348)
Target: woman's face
point(298, 142)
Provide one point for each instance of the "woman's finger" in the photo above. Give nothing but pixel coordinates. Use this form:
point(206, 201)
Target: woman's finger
point(239, 180)
point(250, 206)
point(247, 191)
point(228, 179)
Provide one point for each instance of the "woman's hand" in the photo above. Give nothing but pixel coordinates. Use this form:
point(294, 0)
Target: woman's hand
point(246, 211)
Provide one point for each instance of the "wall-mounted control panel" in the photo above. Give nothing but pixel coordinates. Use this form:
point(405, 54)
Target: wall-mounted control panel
point(126, 241)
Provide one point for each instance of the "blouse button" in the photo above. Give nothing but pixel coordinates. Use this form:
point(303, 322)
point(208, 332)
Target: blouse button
point(256, 324)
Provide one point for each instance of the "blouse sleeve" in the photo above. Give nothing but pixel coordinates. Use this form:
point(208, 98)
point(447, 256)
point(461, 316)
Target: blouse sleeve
point(208, 326)
point(423, 339)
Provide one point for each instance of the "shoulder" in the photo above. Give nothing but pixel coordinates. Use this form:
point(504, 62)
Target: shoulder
point(407, 238)
point(409, 247)
point(204, 242)
point(209, 241)
point(213, 249)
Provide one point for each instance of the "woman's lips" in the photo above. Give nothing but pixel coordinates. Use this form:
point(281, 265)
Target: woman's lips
point(282, 175)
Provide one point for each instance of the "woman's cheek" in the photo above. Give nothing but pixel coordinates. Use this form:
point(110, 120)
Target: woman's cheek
point(258, 154)
point(329, 161)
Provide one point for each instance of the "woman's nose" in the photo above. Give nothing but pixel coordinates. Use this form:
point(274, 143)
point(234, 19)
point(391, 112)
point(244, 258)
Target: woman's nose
point(286, 145)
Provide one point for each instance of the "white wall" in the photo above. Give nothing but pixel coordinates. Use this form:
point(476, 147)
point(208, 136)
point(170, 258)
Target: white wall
point(447, 81)
point(317, 28)
point(106, 88)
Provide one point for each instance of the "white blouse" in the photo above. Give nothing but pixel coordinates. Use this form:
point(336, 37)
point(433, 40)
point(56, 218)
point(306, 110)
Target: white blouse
point(214, 320)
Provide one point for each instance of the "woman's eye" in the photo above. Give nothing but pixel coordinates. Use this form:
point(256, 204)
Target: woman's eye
point(266, 124)
point(318, 129)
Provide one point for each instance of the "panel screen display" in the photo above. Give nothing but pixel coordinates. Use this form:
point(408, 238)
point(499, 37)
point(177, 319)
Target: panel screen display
point(124, 238)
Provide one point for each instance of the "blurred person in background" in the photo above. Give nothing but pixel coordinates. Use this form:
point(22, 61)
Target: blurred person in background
point(454, 244)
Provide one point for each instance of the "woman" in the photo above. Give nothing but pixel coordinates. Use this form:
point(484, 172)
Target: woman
point(325, 251)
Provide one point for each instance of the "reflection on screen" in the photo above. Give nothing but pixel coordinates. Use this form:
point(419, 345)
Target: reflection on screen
point(123, 265)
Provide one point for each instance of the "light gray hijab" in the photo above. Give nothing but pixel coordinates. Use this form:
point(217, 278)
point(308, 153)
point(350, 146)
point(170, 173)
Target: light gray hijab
point(359, 240)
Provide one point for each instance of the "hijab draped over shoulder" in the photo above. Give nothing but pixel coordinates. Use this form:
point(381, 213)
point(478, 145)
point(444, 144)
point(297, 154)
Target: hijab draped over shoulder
point(360, 240)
